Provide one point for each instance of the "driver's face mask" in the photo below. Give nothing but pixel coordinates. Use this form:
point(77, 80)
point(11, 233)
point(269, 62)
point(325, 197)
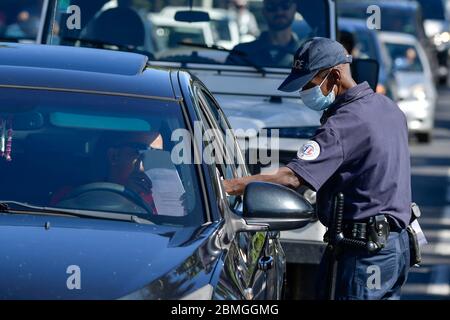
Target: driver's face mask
point(314, 99)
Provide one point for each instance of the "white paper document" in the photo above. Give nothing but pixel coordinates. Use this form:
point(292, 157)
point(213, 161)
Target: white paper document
point(167, 188)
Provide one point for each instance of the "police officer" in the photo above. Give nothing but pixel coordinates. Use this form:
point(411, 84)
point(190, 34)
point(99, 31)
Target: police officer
point(360, 150)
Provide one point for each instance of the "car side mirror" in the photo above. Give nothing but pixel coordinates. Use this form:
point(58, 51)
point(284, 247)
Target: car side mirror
point(366, 70)
point(275, 206)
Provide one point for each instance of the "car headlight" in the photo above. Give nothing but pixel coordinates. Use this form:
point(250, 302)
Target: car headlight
point(418, 92)
point(441, 39)
point(204, 293)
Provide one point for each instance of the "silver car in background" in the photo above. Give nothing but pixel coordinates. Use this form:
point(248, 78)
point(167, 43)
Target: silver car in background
point(417, 93)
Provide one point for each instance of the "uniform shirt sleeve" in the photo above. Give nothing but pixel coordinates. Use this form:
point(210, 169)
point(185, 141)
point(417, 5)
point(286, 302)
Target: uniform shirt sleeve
point(319, 158)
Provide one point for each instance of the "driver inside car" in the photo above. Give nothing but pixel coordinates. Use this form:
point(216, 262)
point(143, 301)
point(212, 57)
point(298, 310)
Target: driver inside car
point(276, 46)
point(118, 161)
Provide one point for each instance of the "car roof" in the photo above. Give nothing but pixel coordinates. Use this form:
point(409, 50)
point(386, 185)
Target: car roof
point(353, 24)
point(398, 37)
point(84, 69)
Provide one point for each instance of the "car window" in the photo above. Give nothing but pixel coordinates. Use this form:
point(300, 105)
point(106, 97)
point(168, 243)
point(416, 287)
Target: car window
point(237, 163)
point(235, 167)
point(19, 19)
point(366, 46)
point(405, 57)
point(68, 150)
point(237, 33)
point(229, 161)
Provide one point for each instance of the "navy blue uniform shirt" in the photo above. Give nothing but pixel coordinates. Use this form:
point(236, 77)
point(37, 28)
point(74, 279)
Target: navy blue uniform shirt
point(361, 149)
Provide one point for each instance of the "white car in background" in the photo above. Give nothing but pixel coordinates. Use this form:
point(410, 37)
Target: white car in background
point(169, 32)
point(173, 37)
point(417, 93)
point(222, 23)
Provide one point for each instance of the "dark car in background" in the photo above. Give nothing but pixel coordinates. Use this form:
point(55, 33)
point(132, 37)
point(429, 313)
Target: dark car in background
point(396, 16)
point(20, 20)
point(364, 43)
point(85, 129)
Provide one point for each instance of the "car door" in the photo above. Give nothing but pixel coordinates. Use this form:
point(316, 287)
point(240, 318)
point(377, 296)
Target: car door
point(250, 252)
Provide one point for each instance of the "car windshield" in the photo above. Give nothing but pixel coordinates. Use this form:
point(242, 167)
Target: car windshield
point(19, 19)
point(95, 152)
point(405, 57)
point(392, 18)
point(262, 33)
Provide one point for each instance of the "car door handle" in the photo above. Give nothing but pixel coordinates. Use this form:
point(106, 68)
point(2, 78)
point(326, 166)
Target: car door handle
point(265, 263)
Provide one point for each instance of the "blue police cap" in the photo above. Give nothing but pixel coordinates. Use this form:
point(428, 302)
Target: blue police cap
point(313, 56)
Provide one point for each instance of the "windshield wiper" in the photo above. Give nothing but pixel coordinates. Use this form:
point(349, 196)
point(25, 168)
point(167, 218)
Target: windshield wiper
point(24, 208)
point(241, 54)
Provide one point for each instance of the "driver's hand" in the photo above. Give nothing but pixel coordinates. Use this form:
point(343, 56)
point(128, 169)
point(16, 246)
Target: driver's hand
point(139, 182)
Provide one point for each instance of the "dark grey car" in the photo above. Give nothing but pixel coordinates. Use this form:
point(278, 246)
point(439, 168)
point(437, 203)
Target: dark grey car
point(69, 229)
point(366, 45)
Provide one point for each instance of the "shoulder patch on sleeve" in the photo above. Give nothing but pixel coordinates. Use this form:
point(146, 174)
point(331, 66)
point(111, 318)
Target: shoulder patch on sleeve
point(309, 151)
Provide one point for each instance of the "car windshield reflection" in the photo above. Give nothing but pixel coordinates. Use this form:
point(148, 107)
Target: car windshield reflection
point(247, 33)
point(96, 153)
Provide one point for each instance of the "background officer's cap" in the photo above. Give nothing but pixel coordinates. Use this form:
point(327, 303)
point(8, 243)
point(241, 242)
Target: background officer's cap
point(313, 56)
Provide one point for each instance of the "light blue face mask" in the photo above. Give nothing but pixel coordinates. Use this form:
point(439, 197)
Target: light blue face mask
point(314, 99)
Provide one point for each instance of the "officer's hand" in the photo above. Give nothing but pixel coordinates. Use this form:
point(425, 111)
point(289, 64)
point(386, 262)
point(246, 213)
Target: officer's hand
point(233, 187)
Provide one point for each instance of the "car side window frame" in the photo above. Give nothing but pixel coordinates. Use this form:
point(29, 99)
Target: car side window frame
point(217, 171)
point(224, 126)
point(213, 171)
point(221, 123)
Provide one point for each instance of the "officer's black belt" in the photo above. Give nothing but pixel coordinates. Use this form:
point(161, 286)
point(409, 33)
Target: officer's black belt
point(359, 230)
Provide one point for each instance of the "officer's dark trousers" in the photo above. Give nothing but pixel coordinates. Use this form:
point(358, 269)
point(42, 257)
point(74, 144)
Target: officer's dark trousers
point(364, 276)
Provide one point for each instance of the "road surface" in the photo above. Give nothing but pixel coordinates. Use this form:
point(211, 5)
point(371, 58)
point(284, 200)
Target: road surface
point(431, 190)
